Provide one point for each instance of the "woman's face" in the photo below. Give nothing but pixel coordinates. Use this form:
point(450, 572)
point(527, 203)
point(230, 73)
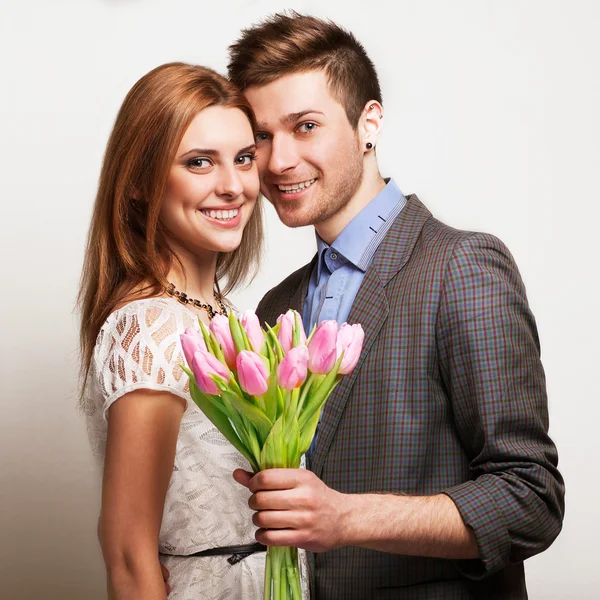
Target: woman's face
point(213, 183)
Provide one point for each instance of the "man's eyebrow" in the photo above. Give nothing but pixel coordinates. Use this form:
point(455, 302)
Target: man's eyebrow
point(211, 152)
point(291, 118)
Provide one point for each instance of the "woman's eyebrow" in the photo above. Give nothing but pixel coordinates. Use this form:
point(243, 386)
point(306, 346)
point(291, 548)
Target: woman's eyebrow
point(208, 151)
point(212, 152)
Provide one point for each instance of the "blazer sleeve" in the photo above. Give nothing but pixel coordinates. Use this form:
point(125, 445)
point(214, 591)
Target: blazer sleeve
point(490, 362)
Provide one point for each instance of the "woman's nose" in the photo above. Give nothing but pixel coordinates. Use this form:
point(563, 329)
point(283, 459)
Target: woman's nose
point(229, 184)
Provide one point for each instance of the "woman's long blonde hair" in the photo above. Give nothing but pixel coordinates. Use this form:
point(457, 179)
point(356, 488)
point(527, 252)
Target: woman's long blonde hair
point(127, 255)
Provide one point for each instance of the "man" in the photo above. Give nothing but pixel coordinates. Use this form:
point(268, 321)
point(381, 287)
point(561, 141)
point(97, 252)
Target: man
point(432, 473)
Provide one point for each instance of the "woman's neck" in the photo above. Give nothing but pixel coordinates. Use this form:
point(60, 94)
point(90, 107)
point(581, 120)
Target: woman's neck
point(197, 278)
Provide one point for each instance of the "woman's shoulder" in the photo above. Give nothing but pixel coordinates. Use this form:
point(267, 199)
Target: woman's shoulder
point(139, 347)
point(154, 323)
point(148, 313)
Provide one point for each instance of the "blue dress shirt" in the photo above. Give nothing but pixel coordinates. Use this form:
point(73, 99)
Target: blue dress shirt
point(341, 267)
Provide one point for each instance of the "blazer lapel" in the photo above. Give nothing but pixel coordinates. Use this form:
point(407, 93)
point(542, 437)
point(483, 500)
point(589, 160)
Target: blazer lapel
point(297, 300)
point(371, 309)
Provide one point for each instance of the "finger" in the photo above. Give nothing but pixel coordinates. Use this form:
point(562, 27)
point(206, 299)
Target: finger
point(275, 479)
point(273, 500)
point(277, 537)
point(165, 572)
point(277, 519)
point(242, 477)
point(167, 588)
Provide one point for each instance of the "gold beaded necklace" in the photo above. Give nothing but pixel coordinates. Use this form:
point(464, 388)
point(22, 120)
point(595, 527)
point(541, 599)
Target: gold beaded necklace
point(184, 299)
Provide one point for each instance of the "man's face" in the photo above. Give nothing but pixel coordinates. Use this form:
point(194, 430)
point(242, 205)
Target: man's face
point(309, 157)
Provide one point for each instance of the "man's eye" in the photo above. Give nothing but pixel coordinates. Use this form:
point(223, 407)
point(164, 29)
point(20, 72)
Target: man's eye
point(199, 163)
point(261, 137)
point(307, 127)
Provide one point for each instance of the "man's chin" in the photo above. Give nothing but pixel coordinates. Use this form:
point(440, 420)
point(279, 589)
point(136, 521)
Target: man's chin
point(295, 218)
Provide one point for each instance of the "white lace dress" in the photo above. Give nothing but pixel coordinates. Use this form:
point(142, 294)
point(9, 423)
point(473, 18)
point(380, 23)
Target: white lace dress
point(139, 348)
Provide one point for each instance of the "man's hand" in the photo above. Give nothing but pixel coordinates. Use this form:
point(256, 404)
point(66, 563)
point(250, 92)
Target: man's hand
point(295, 508)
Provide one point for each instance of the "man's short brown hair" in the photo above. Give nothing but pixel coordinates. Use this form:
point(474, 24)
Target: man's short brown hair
point(289, 42)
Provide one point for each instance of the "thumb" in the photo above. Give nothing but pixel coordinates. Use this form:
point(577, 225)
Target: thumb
point(243, 477)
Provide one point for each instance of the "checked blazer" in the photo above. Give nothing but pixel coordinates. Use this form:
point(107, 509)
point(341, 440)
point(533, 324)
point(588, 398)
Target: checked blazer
point(448, 397)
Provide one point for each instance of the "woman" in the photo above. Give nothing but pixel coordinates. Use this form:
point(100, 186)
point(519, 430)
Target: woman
point(177, 210)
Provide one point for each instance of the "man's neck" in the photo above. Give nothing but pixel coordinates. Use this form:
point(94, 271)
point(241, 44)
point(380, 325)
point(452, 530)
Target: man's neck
point(331, 228)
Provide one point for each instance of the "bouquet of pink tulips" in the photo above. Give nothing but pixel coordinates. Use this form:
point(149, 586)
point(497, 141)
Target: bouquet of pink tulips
point(264, 391)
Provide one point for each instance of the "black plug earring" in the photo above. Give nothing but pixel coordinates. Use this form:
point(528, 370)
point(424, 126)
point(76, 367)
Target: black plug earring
point(369, 145)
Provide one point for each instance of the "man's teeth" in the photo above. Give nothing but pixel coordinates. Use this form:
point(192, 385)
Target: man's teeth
point(296, 187)
point(224, 215)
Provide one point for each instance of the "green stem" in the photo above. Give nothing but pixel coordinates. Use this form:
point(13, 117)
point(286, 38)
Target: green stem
point(284, 584)
point(275, 553)
point(307, 386)
point(267, 592)
point(293, 573)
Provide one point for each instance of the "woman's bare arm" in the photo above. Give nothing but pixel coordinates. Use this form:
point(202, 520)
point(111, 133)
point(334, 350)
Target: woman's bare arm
point(140, 452)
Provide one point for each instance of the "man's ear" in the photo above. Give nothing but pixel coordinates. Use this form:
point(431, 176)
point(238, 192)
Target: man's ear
point(370, 124)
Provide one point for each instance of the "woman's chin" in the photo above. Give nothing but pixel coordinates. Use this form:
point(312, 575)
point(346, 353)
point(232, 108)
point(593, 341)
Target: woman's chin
point(227, 245)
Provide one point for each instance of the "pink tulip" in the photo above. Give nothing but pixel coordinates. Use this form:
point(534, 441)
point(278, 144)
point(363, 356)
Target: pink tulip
point(191, 342)
point(291, 373)
point(322, 348)
point(286, 330)
point(252, 373)
point(251, 326)
point(204, 365)
point(349, 341)
point(220, 328)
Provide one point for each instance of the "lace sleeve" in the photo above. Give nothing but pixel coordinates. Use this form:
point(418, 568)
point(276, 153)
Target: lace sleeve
point(139, 348)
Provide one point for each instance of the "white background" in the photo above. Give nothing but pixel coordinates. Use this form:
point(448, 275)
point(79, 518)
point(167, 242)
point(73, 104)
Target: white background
point(491, 117)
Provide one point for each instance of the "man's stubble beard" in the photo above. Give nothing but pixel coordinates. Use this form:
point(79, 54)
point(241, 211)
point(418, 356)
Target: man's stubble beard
point(328, 202)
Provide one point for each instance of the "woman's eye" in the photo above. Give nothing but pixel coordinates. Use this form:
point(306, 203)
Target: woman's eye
point(245, 160)
point(307, 127)
point(199, 163)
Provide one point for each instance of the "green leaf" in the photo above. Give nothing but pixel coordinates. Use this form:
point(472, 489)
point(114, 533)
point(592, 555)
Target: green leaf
point(270, 398)
point(307, 432)
point(272, 333)
point(272, 455)
point(280, 402)
point(292, 441)
point(236, 334)
point(305, 388)
point(221, 422)
point(296, 337)
point(311, 334)
point(247, 343)
point(212, 344)
point(312, 407)
point(255, 415)
point(320, 393)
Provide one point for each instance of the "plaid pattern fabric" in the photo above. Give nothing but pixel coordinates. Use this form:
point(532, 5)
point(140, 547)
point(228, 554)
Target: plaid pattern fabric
point(448, 397)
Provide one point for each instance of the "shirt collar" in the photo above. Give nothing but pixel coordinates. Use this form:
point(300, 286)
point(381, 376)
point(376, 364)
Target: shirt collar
point(359, 240)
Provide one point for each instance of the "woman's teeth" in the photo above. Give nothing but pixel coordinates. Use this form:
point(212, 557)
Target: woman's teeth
point(223, 215)
point(296, 187)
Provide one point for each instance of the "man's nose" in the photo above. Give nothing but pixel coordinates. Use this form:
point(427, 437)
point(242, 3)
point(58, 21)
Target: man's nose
point(284, 155)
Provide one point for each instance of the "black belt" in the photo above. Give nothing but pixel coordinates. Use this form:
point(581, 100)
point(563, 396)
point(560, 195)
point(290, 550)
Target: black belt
point(237, 552)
